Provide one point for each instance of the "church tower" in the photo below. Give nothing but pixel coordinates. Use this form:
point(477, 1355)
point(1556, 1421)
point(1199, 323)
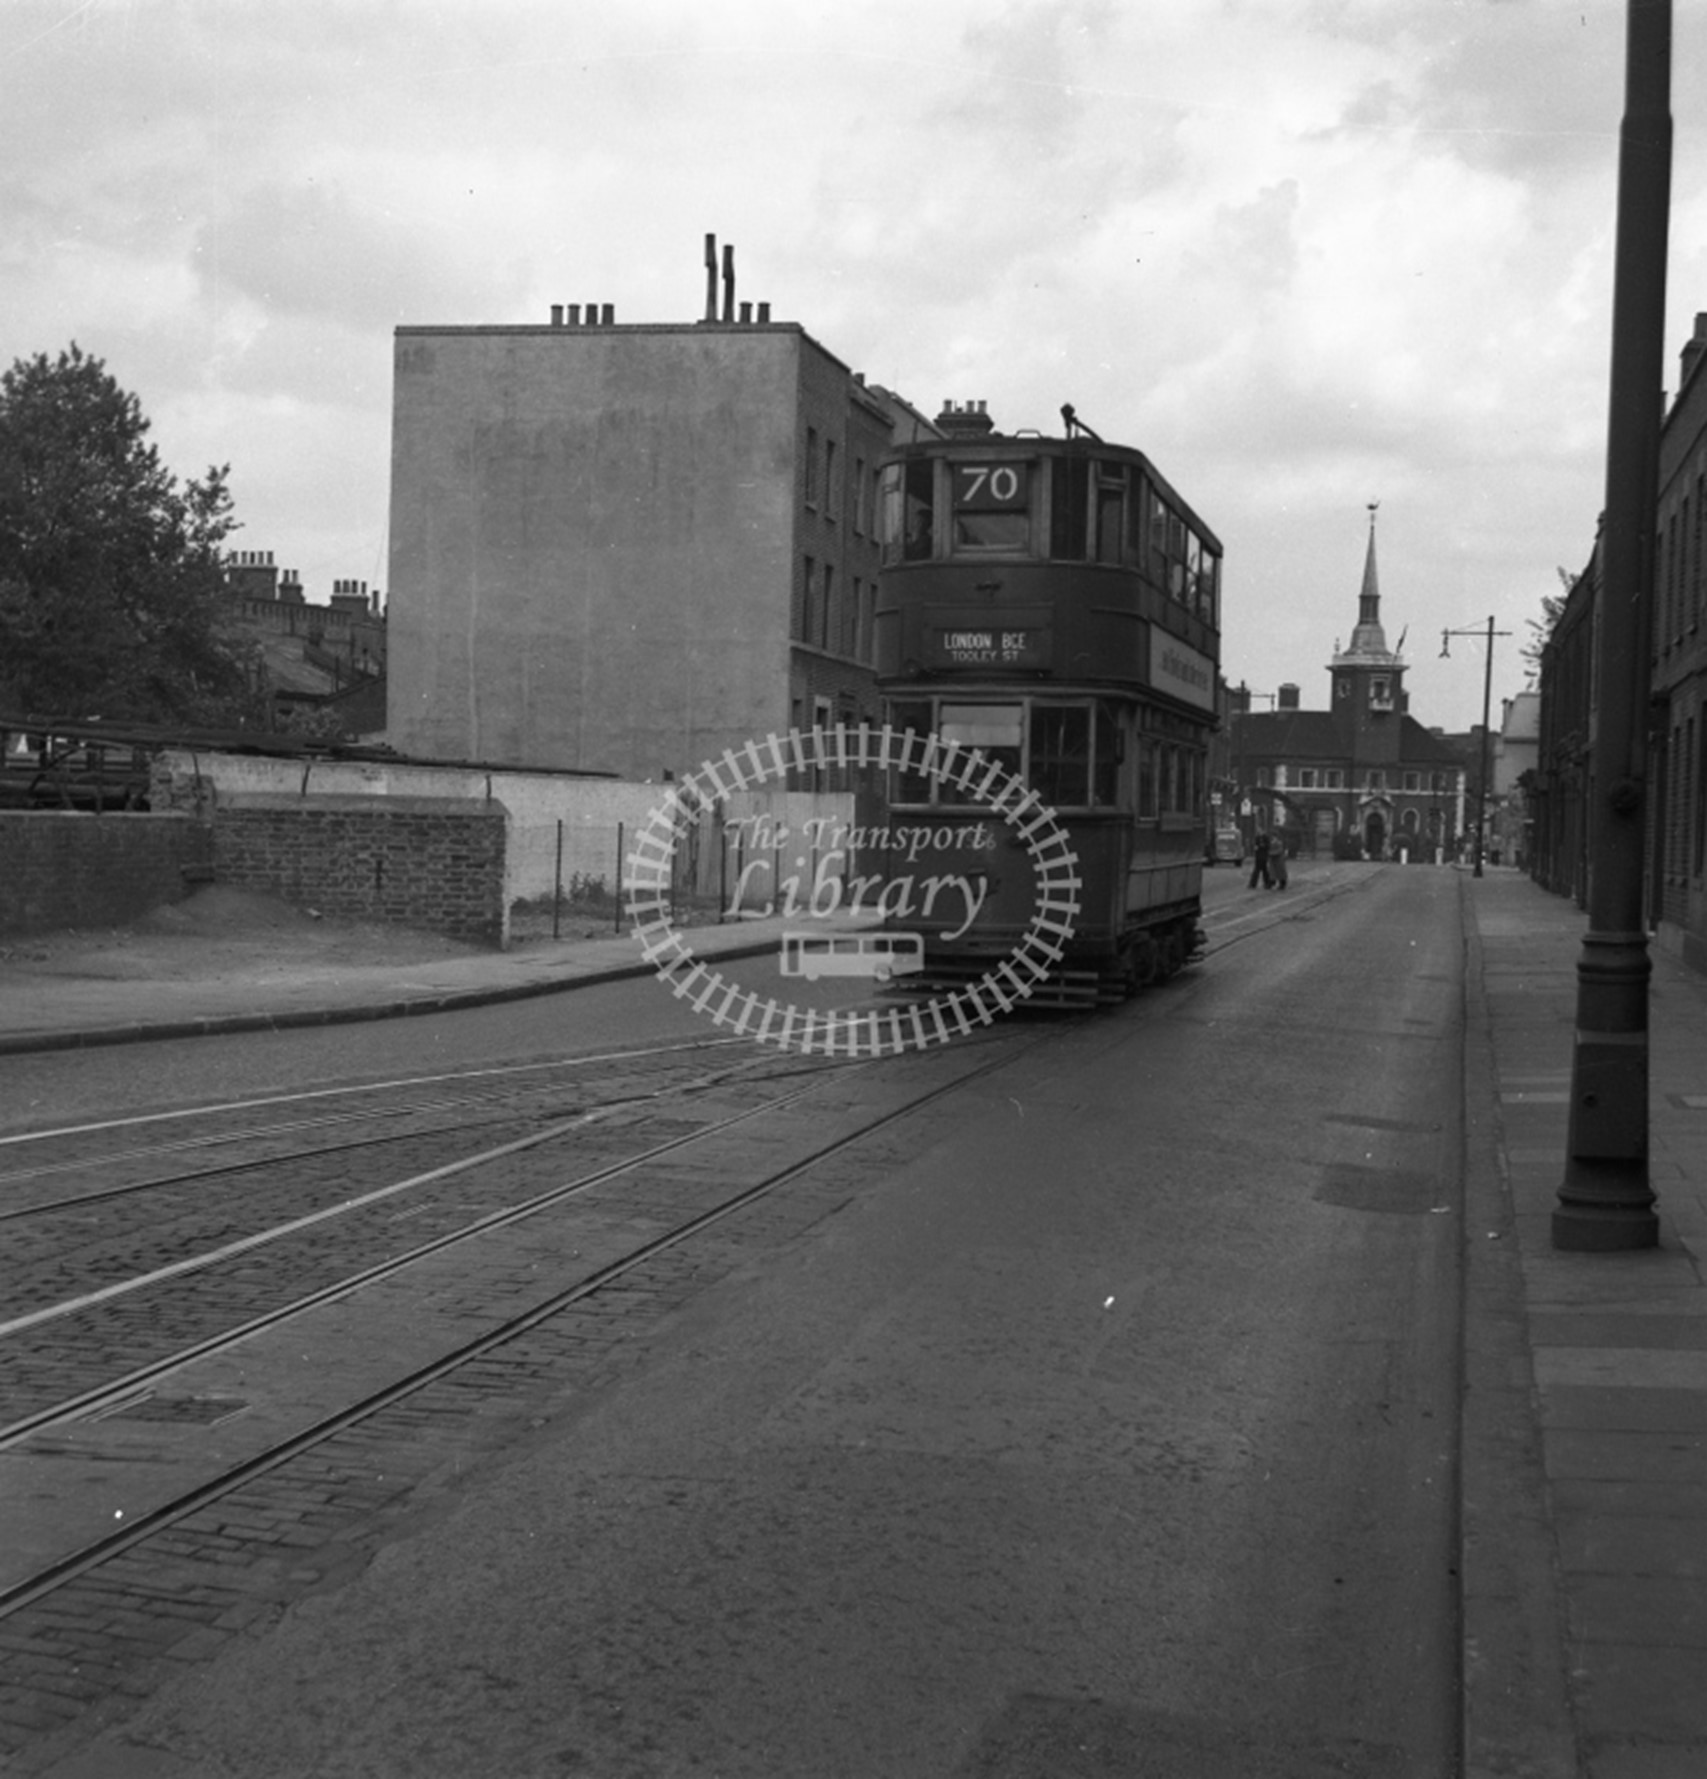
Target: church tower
point(1368, 694)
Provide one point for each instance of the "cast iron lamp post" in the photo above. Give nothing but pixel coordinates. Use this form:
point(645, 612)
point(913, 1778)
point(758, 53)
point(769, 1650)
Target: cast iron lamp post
point(1605, 1200)
point(1487, 698)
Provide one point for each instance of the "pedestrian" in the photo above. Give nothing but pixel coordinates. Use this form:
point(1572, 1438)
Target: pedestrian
point(1277, 861)
point(1259, 862)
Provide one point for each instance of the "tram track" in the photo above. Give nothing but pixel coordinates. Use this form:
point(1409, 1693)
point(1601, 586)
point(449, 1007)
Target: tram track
point(60, 1408)
point(332, 1240)
point(734, 1187)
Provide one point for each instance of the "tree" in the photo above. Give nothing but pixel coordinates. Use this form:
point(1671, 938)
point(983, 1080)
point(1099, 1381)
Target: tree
point(1552, 609)
point(112, 600)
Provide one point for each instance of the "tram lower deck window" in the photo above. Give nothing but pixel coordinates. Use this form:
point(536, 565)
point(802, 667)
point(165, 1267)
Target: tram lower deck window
point(1069, 753)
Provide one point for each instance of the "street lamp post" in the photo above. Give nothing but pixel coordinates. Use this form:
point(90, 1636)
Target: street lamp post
point(1487, 700)
point(1605, 1202)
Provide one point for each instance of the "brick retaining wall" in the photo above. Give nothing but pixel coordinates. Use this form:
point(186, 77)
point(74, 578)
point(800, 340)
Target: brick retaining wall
point(421, 862)
point(60, 868)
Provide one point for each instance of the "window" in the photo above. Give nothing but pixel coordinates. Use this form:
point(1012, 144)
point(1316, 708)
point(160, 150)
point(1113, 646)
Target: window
point(1334, 779)
point(1147, 773)
point(990, 503)
point(996, 730)
point(1207, 586)
point(829, 622)
point(1106, 789)
point(830, 502)
point(1377, 779)
point(918, 538)
point(1060, 768)
point(910, 787)
point(809, 614)
point(1069, 505)
point(859, 494)
point(1413, 781)
point(811, 466)
point(1111, 504)
point(1306, 778)
point(868, 623)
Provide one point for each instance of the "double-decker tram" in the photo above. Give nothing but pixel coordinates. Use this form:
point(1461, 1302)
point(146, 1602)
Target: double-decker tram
point(1054, 603)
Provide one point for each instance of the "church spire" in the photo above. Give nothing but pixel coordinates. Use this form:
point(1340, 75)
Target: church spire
point(1369, 600)
point(1368, 640)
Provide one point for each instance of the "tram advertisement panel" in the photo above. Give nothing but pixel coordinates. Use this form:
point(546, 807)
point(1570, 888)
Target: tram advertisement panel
point(1181, 670)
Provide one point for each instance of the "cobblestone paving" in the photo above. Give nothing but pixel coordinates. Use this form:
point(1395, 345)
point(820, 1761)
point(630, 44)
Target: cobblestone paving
point(78, 1661)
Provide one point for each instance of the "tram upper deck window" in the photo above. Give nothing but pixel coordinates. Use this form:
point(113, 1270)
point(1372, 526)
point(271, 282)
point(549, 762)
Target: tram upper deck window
point(1087, 505)
point(1069, 508)
point(991, 509)
point(908, 497)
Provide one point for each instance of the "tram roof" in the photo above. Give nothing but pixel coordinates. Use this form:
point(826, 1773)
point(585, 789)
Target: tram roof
point(996, 444)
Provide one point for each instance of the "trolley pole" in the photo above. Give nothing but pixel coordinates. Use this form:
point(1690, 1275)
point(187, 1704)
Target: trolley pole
point(1605, 1202)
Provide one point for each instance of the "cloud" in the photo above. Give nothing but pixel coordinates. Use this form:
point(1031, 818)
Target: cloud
point(1304, 254)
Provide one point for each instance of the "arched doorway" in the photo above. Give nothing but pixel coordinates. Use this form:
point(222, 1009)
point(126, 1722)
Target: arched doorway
point(1374, 834)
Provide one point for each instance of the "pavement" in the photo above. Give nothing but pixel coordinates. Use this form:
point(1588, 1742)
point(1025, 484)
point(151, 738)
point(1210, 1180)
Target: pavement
point(64, 1004)
point(1584, 1498)
point(1584, 1431)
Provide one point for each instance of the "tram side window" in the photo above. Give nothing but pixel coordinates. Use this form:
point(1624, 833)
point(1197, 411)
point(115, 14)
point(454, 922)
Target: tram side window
point(1106, 788)
point(1060, 770)
point(1111, 503)
point(1158, 540)
point(1148, 763)
point(1207, 586)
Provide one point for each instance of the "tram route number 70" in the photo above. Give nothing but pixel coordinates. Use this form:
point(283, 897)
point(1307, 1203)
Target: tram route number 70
point(988, 487)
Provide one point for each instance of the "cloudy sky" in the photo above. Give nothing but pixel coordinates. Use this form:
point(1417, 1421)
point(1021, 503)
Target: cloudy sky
point(1307, 254)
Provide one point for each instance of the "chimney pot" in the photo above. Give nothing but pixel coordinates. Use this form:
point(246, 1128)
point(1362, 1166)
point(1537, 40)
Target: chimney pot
point(556, 314)
point(574, 314)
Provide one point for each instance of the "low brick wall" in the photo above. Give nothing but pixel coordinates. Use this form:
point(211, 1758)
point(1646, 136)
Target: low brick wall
point(422, 862)
point(61, 869)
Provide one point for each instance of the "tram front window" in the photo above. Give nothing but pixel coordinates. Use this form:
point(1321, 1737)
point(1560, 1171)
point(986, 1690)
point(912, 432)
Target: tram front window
point(996, 730)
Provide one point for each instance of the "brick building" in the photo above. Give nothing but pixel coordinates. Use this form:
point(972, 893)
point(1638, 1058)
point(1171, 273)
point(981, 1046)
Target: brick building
point(1361, 779)
point(1676, 806)
point(1678, 769)
point(625, 548)
point(322, 662)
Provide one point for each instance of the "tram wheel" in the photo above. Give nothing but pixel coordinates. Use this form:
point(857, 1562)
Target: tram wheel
point(1142, 963)
point(1173, 954)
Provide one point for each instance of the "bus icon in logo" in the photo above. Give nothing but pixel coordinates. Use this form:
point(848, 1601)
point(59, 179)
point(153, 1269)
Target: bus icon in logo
point(878, 956)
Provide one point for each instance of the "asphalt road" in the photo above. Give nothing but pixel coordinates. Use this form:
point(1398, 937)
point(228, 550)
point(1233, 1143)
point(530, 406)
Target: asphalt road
point(1107, 1428)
